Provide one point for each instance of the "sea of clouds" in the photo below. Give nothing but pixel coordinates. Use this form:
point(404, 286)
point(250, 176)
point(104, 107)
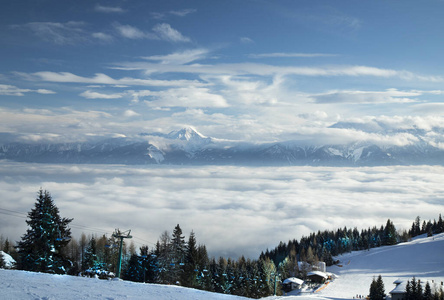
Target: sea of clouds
point(234, 211)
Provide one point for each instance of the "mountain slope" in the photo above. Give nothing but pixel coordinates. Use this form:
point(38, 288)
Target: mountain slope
point(422, 258)
point(188, 147)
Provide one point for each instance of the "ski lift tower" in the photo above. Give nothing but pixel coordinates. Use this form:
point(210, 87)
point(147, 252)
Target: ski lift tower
point(121, 236)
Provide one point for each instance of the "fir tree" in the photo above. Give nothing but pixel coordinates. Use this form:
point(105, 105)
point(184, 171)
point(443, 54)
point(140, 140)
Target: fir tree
point(135, 269)
point(2, 261)
point(428, 292)
point(7, 246)
point(90, 261)
point(377, 290)
point(40, 248)
point(390, 236)
point(178, 254)
point(191, 260)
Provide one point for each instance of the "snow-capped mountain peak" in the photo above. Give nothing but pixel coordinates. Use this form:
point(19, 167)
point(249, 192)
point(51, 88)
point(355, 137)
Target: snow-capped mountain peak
point(186, 134)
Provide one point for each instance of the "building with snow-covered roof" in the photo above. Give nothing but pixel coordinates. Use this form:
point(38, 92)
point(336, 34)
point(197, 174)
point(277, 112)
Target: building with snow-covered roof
point(399, 292)
point(317, 276)
point(292, 283)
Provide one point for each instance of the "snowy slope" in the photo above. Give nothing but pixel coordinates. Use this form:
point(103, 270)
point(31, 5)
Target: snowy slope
point(27, 285)
point(422, 258)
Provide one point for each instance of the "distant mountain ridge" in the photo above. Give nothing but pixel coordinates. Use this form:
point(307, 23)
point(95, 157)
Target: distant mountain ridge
point(188, 147)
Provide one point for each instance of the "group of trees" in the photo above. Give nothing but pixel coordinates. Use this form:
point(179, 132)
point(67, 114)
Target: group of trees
point(430, 228)
point(413, 290)
point(175, 261)
point(322, 246)
point(48, 247)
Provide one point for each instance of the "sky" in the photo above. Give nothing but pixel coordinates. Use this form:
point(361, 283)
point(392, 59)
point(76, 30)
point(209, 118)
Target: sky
point(252, 70)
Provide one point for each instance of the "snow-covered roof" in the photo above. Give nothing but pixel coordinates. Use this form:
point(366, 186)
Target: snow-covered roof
point(398, 281)
point(400, 288)
point(293, 280)
point(317, 273)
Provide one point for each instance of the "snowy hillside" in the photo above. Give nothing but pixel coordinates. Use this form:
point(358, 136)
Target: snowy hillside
point(422, 258)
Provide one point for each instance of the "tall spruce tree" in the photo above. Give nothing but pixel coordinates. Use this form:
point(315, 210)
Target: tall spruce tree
point(40, 248)
point(377, 290)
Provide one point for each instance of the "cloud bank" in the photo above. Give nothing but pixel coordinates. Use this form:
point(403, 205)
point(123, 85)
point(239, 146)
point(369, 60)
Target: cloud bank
point(233, 210)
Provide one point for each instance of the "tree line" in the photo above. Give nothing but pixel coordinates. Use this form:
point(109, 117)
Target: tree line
point(323, 246)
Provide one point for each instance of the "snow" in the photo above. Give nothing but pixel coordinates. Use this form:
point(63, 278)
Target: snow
point(294, 280)
point(9, 261)
point(422, 258)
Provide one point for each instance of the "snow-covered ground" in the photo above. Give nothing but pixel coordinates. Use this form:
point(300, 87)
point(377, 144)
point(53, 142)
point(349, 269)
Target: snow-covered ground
point(422, 257)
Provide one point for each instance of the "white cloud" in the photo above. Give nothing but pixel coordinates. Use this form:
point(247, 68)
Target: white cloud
point(95, 95)
point(102, 36)
point(45, 92)
point(108, 9)
point(183, 97)
point(182, 57)
point(130, 113)
point(350, 96)
point(167, 33)
point(131, 32)
point(246, 40)
point(100, 78)
point(183, 12)
point(230, 209)
point(10, 90)
point(290, 55)
point(269, 70)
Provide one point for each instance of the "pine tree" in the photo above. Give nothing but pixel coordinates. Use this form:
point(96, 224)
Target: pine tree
point(40, 248)
point(377, 291)
point(135, 269)
point(178, 254)
point(428, 292)
point(191, 260)
point(2, 261)
point(390, 236)
point(90, 260)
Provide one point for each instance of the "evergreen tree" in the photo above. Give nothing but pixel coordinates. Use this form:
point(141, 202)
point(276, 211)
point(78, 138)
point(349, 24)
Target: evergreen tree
point(135, 269)
point(408, 290)
point(428, 292)
point(419, 292)
point(7, 246)
point(440, 225)
point(390, 236)
point(40, 248)
point(189, 273)
point(90, 263)
point(377, 291)
point(178, 254)
point(2, 261)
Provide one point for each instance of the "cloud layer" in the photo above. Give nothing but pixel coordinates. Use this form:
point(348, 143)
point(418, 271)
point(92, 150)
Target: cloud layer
point(234, 211)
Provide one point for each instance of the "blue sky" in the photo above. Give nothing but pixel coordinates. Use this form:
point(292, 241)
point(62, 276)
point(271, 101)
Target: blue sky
point(237, 70)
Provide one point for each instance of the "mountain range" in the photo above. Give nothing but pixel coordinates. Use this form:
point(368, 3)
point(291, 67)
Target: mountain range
point(188, 147)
